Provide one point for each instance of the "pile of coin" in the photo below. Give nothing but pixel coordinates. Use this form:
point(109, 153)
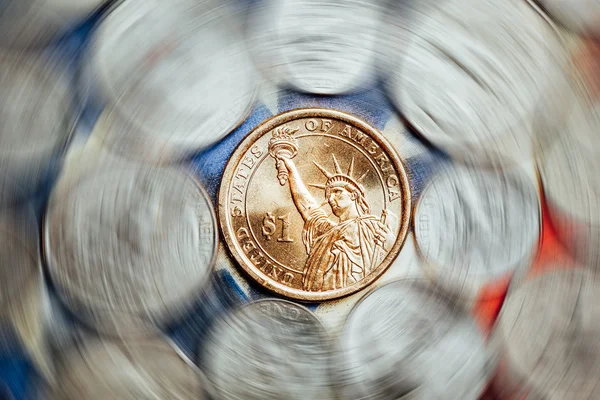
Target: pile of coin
point(301, 199)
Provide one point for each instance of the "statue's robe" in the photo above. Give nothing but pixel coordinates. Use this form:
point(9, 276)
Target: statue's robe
point(339, 254)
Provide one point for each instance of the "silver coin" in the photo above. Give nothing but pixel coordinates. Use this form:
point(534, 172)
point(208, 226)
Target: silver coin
point(130, 248)
point(269, 349)
point(33, 23)
point(145, 370)
point(473, 77)
point(582, 16)
point(316, 46)
point(549, 327)
point(474, 226)
point(24, 302)
point(571, 188)
point(176, 75)
point(37, 119)
point(404, 340)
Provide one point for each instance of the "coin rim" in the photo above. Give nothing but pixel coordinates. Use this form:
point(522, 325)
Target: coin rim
point(87, 318)
point(262, 129)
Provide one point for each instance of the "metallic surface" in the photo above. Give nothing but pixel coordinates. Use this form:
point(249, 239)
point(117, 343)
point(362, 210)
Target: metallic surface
point(316, 46)
point(269, 350)
point(24, 303)
point(98, 369)
point(570, 185)
point(37, 119)
point(581, 16)
point(283, 233)
point(405, 340)
point(474, 77)
point(174, 77)
point(549, 328)
point(474, 226)
point(130, 248)
point(37, 23)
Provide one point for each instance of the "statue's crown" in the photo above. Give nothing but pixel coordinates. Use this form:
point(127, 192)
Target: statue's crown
point(339, 177)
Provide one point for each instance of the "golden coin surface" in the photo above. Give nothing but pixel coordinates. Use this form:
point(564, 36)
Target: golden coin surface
point(314, 204)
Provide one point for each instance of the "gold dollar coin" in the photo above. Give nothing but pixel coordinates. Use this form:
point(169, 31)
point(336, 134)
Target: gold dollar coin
point(314, 204)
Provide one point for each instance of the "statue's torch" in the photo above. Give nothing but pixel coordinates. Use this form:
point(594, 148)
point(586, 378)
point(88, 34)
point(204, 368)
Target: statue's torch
point(283, 145)
point(376, 250)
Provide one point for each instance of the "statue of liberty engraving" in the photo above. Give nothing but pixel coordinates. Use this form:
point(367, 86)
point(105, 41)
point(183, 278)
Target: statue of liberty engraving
point(343, 251)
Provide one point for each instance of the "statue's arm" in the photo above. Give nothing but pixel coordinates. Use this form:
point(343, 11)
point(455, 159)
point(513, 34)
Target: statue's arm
point(303, 200)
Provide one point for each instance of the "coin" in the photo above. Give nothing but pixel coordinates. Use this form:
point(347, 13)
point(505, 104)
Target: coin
point(173, 77)
point(582, 16)
point(314, 204)
point(474, 226)
point(405, 340)
point(24, 302)
point(150, 369)
point(269, 349)
point(35, 23)
point(130, 248)
point(37, 121)
point(571, 189)
point(549, 327)
point(473, 77)
point(316, 46)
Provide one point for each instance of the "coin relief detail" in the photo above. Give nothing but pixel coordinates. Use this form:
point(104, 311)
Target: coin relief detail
point(315, 204)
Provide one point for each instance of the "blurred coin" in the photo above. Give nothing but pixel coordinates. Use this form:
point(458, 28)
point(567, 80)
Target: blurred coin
point(473, 77)
point(567, 169)
point(315, 204)
point(32, 23)
point(36, 121)
point(474, 226)
point(175, 77)
point(582, 16)
point(269, 349)
point(24, 302)
point(550, 330)
point(316, 46)
point(130, 248)
point(149, 369)
point(404, 340)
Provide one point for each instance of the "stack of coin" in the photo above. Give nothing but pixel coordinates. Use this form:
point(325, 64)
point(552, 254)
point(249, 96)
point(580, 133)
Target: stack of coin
point(473, 77)
point(406, 340)
point(582, 16)
point(32, 23)
point(474, 226)
point(37, 118)
point(172, 77)
point(268, 350)
point(130, 248)
point(316, 46)
point(549, 330)
point(98, 369)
